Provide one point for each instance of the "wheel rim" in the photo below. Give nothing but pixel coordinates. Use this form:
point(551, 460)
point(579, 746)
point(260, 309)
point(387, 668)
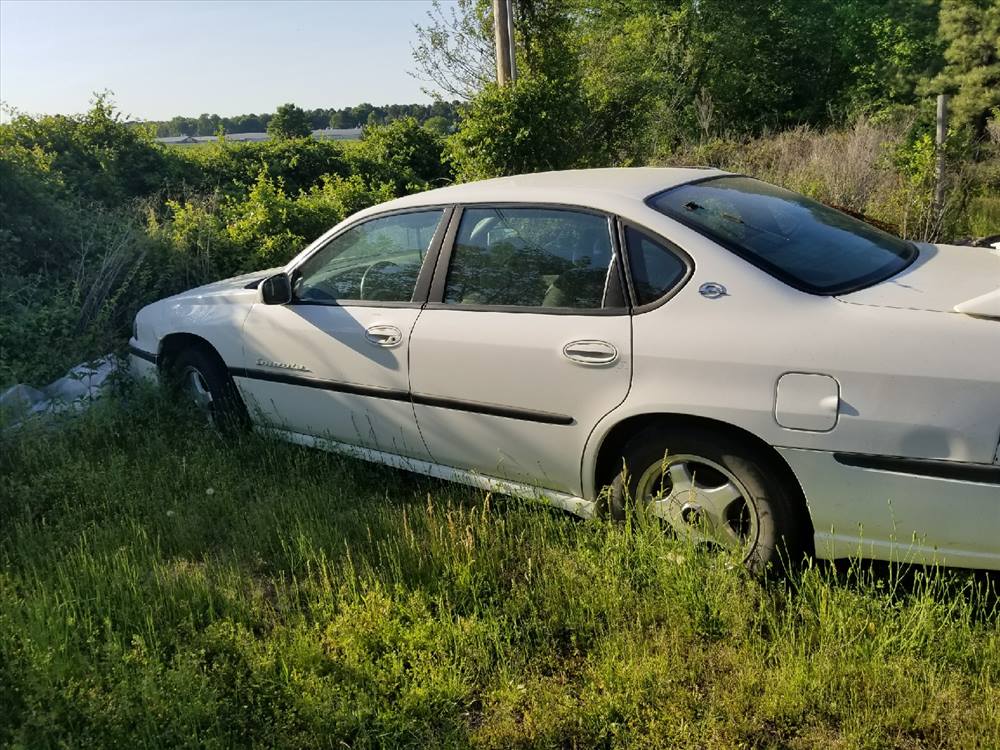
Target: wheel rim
point(701, 500)
point(196, 387)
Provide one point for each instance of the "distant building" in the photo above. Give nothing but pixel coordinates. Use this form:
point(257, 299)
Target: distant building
point(326, 134)
point(337, 134)
point(242, 137)
point(177, 139)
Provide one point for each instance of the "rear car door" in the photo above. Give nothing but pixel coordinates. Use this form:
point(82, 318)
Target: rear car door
point(333, 363)
point(525, 342)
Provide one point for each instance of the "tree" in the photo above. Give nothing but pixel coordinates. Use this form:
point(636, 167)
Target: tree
point(288, 122)
point(532, 125)
point(404, 155)
point(971, 31)
point(438, 125)
point(454, 51)
point(888, 47)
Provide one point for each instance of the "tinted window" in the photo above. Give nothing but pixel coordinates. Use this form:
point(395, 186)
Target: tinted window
point(654, 269)
point(530, 257)
point(798, 240)
point(375, 261)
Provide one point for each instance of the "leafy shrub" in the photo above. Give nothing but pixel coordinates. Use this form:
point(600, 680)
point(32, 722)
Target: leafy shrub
point(223, 235)
point(530, 126)
point(96, 219)
point(402, 154)
point(53, 320)
point(233, 167)
point(34, 216)
point(96, 155)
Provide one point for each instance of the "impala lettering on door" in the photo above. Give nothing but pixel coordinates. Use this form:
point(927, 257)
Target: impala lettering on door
point(282, 365)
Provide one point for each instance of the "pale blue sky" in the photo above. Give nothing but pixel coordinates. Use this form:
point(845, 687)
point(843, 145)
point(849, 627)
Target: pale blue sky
point(185, 58)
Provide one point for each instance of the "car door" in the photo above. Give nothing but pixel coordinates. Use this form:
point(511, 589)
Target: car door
point(525, 342)
point(333, 363)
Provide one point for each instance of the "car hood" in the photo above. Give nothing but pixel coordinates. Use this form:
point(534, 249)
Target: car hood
point(943, 278)
point(226, 287)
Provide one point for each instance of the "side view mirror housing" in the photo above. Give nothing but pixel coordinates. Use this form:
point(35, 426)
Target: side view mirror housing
point(276, 290)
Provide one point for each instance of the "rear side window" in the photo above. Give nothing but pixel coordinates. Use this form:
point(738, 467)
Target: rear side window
point(530, 257)
point(804, 243)
point(655, 270)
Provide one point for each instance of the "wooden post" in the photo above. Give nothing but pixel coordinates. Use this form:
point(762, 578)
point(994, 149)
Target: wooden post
point(501, 37)
point(941, 137)
point(511, 39)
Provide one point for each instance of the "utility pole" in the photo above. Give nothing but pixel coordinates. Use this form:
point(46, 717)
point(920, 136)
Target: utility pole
point(511, 39)
point(941, 137)
point(502, 37)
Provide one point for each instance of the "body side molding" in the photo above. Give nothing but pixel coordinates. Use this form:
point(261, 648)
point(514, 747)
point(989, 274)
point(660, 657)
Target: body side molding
point(475, 407)
point(143, 354)
point(923, 467)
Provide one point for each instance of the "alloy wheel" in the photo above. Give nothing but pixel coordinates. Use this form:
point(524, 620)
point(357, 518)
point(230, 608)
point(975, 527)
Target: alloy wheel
point(701, 500)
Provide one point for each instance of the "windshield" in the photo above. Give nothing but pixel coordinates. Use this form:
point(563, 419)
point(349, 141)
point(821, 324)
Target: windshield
point(802, 242)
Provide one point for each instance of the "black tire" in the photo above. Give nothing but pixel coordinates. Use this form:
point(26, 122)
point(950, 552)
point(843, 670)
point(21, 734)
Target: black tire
point(225, 410)
point(766, 526)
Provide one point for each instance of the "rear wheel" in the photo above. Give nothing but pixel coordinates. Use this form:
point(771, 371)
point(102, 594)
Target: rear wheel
point(711, 489)
point(201, 377)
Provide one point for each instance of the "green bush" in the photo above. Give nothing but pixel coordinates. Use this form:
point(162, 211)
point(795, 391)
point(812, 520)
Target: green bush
point(233, 167)
point(402, 154)
point(530, 126)
point(96, 154)
point(96, 219)
point(53, 319)
point(35, 211)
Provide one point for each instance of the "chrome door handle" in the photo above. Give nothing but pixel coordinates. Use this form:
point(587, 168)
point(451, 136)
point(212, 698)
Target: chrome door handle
point(590, 352)
point(384, 335)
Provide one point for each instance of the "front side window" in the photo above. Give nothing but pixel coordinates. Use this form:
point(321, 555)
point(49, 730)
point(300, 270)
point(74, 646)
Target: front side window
point(378, 260)
point(655, 270)
point(804, 243)
point(530, 257)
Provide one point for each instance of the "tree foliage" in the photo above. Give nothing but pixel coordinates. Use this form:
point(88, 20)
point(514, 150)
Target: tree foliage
point(289, 121)
point(454, 49)
point(530, 126)
point(970, 29)
point(404, 155)
point(653, 75)
point(343, 118)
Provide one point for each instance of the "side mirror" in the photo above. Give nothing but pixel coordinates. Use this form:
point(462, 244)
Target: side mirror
point(276, 290)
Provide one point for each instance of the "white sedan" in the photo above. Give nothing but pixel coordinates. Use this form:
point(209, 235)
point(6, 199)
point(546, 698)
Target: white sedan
point(759, 371)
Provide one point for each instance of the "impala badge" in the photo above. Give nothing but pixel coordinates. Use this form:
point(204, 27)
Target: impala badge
point(282, 365)
point(711, 290)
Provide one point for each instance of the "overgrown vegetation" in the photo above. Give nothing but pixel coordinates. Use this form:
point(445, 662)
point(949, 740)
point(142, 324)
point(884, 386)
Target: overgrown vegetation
point(97, 219)
point(160, 587)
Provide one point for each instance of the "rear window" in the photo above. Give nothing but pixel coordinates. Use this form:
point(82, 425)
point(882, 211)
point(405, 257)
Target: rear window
point(804, 243)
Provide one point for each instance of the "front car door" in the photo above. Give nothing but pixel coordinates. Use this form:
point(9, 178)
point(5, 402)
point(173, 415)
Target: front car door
point(333, 363)
point(525, 342)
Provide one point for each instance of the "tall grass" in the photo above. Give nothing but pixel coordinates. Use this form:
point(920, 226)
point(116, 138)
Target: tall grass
point(160, 587)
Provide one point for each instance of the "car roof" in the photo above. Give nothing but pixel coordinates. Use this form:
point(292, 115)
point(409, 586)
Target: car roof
point(581, 187)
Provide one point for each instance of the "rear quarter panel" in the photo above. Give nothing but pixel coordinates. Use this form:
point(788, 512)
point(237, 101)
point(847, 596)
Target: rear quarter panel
point(912, 383)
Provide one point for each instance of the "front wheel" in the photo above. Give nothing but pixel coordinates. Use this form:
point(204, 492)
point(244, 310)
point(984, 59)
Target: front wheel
point(711, 489)
point(202, 378)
